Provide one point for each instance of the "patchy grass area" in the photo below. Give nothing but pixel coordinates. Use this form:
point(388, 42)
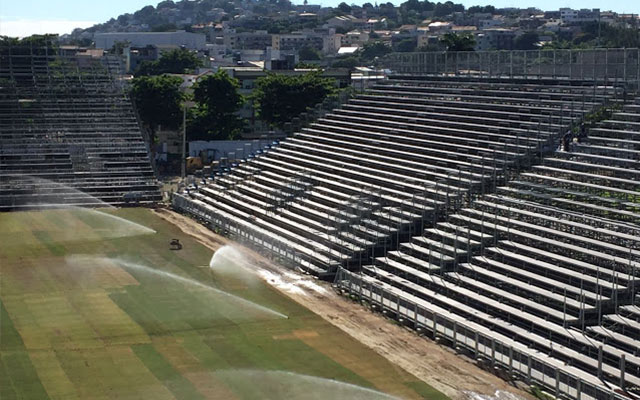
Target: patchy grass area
point(89, 309)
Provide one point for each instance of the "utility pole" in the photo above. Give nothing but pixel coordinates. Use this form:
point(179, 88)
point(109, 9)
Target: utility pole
point(185, 105)
point(184, 142)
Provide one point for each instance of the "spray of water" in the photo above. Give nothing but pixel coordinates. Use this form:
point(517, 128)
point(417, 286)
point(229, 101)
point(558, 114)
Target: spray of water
point(283, 384)
point(127, 264)
point(231, 261)
point(46, 194)
point(499, 395)
point(69, 224)
point(129, 226)
point(228, 255)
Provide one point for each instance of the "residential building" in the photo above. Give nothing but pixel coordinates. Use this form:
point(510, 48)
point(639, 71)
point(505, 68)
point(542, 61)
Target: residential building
point(571, 16)
point(439, 27)
point(354, 39)
point(341, 21)
point(142, 39)
point(258, 40)
point(495, 39)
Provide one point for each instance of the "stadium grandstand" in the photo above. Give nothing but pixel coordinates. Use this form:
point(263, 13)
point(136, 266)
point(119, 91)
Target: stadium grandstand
point(494, 205)
point(68, 131)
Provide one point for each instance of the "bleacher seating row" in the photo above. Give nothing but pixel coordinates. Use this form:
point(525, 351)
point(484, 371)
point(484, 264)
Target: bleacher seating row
point(374, 172)
point(551, 260)
point(68, 133)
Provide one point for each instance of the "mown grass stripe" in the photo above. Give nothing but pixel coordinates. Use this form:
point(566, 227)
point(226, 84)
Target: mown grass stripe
point(22, 373)
point(165, 373)
point(10, 339)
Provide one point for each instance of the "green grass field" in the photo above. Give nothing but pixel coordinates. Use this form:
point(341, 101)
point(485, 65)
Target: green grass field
point(77, 323)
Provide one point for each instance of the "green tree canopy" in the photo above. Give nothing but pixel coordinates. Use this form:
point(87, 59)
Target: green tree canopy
point(119, 46)
point(279, 98)
point(176, 61)
point(458, 42)
point(158, 100)
point(350, 62)
point(374, 49)
point(217, 101)
point(309, 54)
point(526, 41)
point(344, 7)
point(406, 45)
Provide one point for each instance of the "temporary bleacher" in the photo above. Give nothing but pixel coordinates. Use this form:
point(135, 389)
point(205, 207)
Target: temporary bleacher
point(68, 132)
point(550, 261)
point(391, 162)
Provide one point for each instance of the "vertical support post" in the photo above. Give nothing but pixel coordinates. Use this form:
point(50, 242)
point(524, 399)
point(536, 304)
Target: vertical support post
point(606, 66)
point(564, 309)
point(539, 64)
point(455, 334)
point(600, 362)
point(511, 64)
point(622, 367)
point(570, 64)
point(456, 54)
point(493, 351)
point(435, 325)
point(476, 344)
point(510, 359)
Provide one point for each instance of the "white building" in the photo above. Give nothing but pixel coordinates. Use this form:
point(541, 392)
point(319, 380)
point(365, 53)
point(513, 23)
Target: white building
point(569, 16)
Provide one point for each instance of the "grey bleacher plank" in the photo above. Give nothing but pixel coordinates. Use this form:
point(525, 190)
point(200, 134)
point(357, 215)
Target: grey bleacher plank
point(507, 222)
point(619, 319)
point(511, 297)
point(554, 218)
point(626, 339)
point(534, 277)
point(538, 290)
point(476, 327)
point(527, 334)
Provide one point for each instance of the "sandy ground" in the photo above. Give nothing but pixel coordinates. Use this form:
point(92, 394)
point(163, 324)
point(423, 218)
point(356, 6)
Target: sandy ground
point(424, 358)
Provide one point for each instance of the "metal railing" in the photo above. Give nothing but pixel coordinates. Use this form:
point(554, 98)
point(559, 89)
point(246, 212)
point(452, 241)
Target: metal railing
point(532, 369)
point(607, 65)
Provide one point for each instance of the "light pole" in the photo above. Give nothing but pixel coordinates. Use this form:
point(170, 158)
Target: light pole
point(185, 105)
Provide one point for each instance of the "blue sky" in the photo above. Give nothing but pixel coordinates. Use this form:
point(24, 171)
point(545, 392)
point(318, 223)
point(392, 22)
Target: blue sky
point(25, 17)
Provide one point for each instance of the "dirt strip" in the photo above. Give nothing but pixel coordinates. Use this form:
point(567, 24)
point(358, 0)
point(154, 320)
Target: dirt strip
point(423, 358)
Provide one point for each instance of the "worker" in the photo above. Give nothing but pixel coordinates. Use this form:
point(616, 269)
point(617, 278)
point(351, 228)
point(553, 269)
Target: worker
point(582, 133)
point(566, 141)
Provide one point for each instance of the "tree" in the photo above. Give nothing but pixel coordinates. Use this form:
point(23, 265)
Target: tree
point(458, 42)
point(526, 41)
point(406, 45)
point(346, 62)
point(218, 100)
point(176, 61)
point(305, 65)
point(158, 100)
point(168, 27)
point(480, 9)
point(119, 46)
point(344, 7)
point(144, 12)
point(309, 54)
point(374, 49)
point(165, 4)
point(278, 98)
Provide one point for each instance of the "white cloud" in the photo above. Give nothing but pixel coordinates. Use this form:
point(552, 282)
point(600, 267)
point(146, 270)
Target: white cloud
point(27, 27)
